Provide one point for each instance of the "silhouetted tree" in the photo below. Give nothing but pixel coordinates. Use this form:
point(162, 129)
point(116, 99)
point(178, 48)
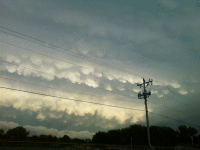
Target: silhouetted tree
point(169, 137)
point(34, 138)
point(100, 138)
point(18, 133)
point(138, 134)
point(191, 132)
point(160, 136)
point(76, 140)
point(1, 134)
point(114, 137)
point(51, 138)
point(156, 135)
point(65, 139)
point(186, 134)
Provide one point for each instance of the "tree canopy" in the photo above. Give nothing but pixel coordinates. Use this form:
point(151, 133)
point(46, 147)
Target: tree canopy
point(160, 136)
point(19, 134)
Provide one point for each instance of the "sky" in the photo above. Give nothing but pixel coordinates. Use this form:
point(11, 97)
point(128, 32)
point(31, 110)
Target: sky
point(72, 67)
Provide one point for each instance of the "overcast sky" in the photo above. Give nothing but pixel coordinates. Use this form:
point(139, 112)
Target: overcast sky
point(96, 51)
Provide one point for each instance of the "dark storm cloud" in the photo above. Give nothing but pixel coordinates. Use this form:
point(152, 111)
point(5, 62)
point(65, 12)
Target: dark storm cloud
point(161, 44)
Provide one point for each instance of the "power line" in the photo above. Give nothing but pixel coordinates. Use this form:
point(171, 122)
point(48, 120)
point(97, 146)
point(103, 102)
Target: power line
point(174, 119)
point(100, 88)
point(92, 103)
point(103, 64)
point(57, 59)
point(64, 90)
point(55, 48)
point(180, 96)
point(74, 54)
point(67, 51)
point(55, 76)
point(66, 62)
point(90, 94)
point(171, 109)
point(67, 98)
point(170, 98)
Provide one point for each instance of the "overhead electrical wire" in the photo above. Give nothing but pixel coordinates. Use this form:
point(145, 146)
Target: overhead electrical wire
point(93, 60)
point(56, 48)
point(182, 97)
point(69, 52)
point(174, 119)
point(74, 54)
point(91, 94)
point(67, 90)
point(59, 97)
point(59, 60)
point(13, 89)
point(106, 90)
point(55, 76)
point(181, 112)
point(66, 62)
point(103, 64)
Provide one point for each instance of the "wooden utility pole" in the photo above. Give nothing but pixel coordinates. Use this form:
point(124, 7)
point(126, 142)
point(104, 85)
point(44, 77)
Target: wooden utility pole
point(144, 96)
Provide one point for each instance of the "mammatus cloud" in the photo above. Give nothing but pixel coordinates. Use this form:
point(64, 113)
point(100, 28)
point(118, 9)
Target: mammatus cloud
point(165, 91)
point(40, 104)
point(154, 92)
point(155, 44)
point(38, 130)
point(137, 90)
point(121, 88)
point(160, 95)
point(108, 87)
point(183, 92)
point(49, 69)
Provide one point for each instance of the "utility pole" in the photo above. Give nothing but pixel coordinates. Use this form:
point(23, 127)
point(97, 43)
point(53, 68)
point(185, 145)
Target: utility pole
point(144, 96)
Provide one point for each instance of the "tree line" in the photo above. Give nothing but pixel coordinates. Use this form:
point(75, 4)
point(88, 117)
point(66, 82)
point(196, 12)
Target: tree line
point(160, 136)
point(21, 134)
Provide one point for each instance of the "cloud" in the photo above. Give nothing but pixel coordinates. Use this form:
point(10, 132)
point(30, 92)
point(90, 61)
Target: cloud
point(62, 65)
point(183, 92)
point(175, 85)
point(160, 95)
point(40, 117)
point(121, 88)
point(165, 91)
point(136, 46)
point(38, 130)
point(11, 59)
point(137, 90)
point(50, 108)
point(108, 76)
point(11, 68)
point(98, 74)
point(82, 47)
point(87, 71)
point(36, 60)
point(7, 125)
point(91, 83)
point(108, 87)
point(154, 92)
